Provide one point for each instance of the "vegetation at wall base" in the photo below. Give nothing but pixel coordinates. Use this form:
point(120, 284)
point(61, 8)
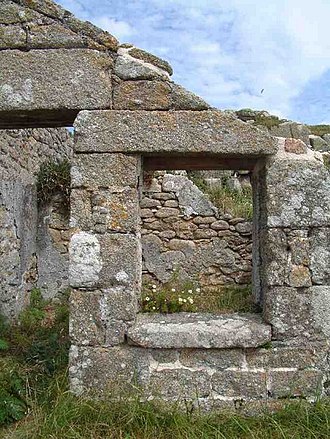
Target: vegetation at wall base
point(33, 372)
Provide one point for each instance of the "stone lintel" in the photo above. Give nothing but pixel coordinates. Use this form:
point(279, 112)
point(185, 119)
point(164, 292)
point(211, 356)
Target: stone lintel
point(181, 132)
point(52, 81)
point(186, 330)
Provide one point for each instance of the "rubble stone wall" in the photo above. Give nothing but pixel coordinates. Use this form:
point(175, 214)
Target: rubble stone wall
point(32, 237)
point(185, 235)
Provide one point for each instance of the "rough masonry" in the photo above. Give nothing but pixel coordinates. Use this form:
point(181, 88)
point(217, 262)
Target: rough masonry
point(129, 117)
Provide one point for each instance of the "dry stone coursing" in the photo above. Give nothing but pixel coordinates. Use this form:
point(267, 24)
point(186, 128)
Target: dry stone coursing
point(185, 235)
point(34, 240)
point(101, 76)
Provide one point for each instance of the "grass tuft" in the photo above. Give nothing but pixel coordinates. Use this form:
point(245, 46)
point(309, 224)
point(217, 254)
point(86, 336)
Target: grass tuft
point(237, 204)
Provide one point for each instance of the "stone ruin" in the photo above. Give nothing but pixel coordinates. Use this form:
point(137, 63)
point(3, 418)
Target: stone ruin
point(130, 118)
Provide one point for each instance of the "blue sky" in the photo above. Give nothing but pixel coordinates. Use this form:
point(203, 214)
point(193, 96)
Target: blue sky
point(227, 51)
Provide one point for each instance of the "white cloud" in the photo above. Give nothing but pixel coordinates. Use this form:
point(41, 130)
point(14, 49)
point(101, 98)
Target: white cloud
point(229, 51)
point(120, 29)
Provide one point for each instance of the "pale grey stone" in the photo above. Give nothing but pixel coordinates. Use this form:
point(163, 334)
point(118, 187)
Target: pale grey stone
point(85, 260)
point(220, 225)
point(319, 144)
point(185, 330)
point(185, 100)
point(191, 199)
point(291, 129)
point(320, 255)
point(187, 132)
point(299, 314)
point(244, 228)
point(298, 194)
point(115, 171)
point(127, 67)
point(240, 384)
point(79, 79)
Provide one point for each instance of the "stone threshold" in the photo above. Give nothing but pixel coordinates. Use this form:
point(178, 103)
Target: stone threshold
point(197, 330)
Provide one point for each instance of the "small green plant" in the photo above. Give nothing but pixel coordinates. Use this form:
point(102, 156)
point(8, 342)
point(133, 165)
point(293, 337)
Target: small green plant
point(237, 204)
point(53, 178)
point(168, 299)
point(326, 160)
point(319, 130)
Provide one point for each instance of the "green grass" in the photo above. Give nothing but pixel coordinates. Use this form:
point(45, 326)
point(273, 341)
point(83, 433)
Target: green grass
point(237, 204)
point(319, 130)
point(227, 300)
point(54, 177)
point(57, 414)
point(34, 369)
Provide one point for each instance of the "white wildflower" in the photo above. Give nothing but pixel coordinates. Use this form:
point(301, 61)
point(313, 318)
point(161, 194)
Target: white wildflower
point(153, 308)
point(185, 300)
point(190, 300)
point(173, 290)
point(154, 287)
point(189, 291)
point(147, 299)
point(180, 300)
point(198, 290)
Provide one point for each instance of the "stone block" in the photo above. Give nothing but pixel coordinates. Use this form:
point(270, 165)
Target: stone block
point(184, 330)
point(115, 171)
point(295, 146)
point(53, 36)
point(179, 384)
point(79, 79)
point(217, 359)
point(302, 313)
point(319, 144)
point(291, 130)
point(240, 384)
point(87, 326)
point(150, 58)
point(121, 258)
point(177, 131)
point(12, 36)
point(298, 243)
point(320, 255)
point(85, 260)
point(183, 99)
point(300, 276)
point(298, 193)
point(106, 371)
point(280, 355)
point(128, 67)
point(141, 95)
point(275, 256)
point(293, 383)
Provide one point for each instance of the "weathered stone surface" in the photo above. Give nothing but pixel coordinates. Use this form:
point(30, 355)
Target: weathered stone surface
point(320, 255)
point(121, 258)
point(127, 67)
point(85, 260)
point(300, 276)
point(87, 326)
point(53, 36)
point(183, 99)
point(307, 355)
point(106, 370)
point(141, 95)
point(291, 129)
point(12, 36)
point(244, 228)
point(198, 331)
point(295, 146)
point(79, 80)
point(204, 233)
point(319, 144)
point(114, 171)
point(180, 384)
point(177, 131)
point(240, 384)
point(191, 199)
point(275, 256)
point(220, 225)
point(291, 383)
point(298, 193)
point(217, 359)
point(150, 58)
point(298, 313)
